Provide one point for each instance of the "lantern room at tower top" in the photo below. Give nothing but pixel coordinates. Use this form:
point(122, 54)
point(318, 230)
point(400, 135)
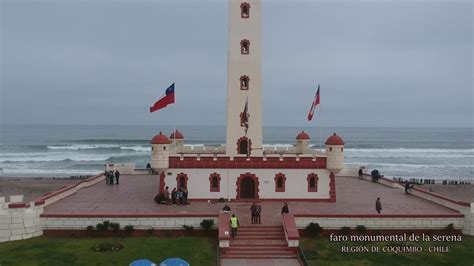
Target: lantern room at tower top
point(244, 168)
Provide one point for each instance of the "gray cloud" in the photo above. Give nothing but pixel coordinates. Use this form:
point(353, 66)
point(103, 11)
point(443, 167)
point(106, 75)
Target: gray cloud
point(386, 63)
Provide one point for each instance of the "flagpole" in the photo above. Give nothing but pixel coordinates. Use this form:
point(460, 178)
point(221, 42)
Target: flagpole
point(320, 126)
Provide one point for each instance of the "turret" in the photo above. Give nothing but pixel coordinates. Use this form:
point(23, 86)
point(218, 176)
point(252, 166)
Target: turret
point(302, 142)
point(160, 151)
point(334, 153)
point(177, 140)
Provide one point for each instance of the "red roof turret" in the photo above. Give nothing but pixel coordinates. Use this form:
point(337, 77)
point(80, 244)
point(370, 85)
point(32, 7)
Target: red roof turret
point(176, 135)
point(160, 139)
point(302, 136)
point(334, 140)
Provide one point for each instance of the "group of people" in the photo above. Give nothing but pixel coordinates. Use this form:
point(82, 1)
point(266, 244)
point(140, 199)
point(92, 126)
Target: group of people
point(176, 196)
point(255, 211)
point(111, 177)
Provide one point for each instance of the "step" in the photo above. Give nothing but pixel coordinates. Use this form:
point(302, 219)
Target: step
point(261, 231)
point(256, 242)
point(258, 237)
point(246, 233)
point(258, 256)
point(258, 248)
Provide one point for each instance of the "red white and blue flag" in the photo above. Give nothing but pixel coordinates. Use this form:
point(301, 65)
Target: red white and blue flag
point(313, 105)
point(165, 99)
point(245, 116)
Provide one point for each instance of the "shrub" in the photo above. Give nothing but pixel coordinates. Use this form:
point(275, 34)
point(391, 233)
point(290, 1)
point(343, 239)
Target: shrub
point(128, 228)
point(207, 224)
point(115, 226)
point(106, 224)
point(90, 228)
point(361, 229)
point(345, 230)
point(189, 228)
point(314, 228)
point(107, 247)
point(450, 227)
point(101, 227)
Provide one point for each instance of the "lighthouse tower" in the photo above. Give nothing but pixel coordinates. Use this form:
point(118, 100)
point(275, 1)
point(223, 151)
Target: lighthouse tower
point(244, 79)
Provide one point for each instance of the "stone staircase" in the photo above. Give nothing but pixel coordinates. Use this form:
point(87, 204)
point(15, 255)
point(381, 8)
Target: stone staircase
point(259, 242)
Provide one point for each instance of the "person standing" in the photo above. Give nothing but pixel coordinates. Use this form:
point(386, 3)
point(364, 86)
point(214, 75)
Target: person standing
point(378, 205)
point(258, 213)
point(180, 196)
point(173, 196)
point(234, 224)
point(117, 176)
point(111, 178)
point(107, 178)
point(253, 212)
point(360, 173)
point(167, 195)
point(285, 208)
point(226, 208)
point(185, 196)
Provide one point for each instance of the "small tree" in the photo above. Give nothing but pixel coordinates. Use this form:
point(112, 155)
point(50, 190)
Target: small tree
point(189, 228)
point(129, 228)
point(361, 229)
point(207, 224)
point(314, 228)
point(345, 230)
point(115, 226)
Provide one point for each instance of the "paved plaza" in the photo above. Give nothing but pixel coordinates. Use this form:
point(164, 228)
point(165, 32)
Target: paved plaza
point(135, 195)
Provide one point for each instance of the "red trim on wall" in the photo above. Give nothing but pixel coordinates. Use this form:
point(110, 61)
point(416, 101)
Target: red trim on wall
point(126, 215)
point(255, 179)
point(341, 215)
point(462, 203)
point(41, 200)
point(212, 188)
point(162, 183)
point(316, 180)
point(242, 15)
point(332, 187)
point(17, 205)
point(283, 182)
point(289, 225)
point(178, 176)
point(247, 163)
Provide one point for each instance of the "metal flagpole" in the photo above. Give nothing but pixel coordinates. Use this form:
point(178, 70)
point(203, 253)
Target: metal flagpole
point(320, 126)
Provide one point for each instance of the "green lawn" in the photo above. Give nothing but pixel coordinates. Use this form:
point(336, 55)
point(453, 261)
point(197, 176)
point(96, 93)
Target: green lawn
point(320, 251)
point(78, 251)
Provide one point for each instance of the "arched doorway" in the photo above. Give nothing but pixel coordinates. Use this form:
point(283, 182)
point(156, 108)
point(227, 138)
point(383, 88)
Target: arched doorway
point(247, 187)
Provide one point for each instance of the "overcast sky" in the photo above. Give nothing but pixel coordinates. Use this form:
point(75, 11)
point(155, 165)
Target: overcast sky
point(379, 63)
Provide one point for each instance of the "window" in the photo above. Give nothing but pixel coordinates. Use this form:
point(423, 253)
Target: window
point(312, 182)
point(245, 10)
point(280, 181)
point(215, 182)
point(244, 46)
point(330, 148)
point(342, 149)
point(244, 82)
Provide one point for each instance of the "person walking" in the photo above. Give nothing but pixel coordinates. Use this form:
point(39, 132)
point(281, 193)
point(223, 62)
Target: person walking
point(258, 213)
point(285, 208)
point(407, 186)
point(378, 205)
point(253, 212)
point(234, 224)
point(117, 176)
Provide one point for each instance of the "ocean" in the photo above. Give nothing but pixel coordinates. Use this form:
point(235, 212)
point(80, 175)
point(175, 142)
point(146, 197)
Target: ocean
point(60, 151)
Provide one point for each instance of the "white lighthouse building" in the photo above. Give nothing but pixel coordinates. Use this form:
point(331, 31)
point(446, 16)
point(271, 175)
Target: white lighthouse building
point(243, 169)
point(244, 79)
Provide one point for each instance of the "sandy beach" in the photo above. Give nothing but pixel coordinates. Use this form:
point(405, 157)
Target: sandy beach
point(31, 188)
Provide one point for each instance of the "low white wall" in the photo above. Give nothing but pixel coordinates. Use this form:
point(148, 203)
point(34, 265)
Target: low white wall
point(160, 223)
point(296, 185)
point(124, 169)
point(386, 223)
point(19, 223)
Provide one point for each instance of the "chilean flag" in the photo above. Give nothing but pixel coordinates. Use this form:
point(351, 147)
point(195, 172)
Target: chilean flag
point(165, 99)
point(313, 105)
